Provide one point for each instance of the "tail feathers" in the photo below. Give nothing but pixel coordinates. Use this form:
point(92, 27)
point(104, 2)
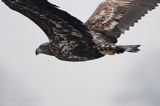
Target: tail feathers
point(128, 48)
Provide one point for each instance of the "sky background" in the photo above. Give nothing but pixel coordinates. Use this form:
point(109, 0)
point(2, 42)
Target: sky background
point(120, 80)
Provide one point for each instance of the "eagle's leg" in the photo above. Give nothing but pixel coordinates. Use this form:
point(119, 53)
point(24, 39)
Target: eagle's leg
point(115, 49)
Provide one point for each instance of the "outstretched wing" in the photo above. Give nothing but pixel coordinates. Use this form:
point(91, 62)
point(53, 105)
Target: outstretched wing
point(116, 16)
point(49, 18)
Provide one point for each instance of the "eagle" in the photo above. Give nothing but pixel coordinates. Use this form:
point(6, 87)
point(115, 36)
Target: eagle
point(72, 40)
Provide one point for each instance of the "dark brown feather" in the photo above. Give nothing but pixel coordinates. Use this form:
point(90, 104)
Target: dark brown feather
point(116, 16)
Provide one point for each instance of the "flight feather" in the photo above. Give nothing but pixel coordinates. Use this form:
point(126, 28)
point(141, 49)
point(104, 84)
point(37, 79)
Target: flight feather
point(119, 15)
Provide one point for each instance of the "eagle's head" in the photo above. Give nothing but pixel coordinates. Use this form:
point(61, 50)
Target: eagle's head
point(43, 49)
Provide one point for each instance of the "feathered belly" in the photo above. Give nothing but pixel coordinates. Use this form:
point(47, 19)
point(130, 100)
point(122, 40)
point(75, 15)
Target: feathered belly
point(74, 51)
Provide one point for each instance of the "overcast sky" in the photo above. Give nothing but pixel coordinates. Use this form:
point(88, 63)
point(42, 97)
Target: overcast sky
point(120, 80)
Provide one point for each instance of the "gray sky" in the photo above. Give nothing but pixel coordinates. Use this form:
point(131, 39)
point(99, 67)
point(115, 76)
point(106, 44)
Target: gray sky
point(120, 80)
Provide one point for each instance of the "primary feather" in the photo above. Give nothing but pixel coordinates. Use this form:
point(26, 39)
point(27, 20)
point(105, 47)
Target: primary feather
point(120, 15)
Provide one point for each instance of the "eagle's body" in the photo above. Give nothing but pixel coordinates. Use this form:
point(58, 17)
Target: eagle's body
point(72, 40)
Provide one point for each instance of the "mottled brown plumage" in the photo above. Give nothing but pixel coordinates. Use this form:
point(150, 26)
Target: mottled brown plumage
point(119, 15)
point(72, 40)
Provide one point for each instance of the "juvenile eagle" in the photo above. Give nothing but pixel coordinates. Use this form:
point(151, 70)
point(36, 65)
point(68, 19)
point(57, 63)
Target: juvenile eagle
point(72, 40)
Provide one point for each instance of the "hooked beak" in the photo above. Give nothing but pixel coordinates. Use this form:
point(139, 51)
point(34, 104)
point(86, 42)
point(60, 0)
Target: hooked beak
point(38, 51)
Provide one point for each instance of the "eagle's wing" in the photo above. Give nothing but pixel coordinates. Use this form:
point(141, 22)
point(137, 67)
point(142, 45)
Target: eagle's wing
point(49, 18)
point(116, 16)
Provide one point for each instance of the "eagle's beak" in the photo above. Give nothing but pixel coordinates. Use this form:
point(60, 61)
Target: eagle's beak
point(38, 51)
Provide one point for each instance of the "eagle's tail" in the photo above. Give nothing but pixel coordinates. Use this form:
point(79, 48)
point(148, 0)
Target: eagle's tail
point(118, 49)
point(127, 48)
